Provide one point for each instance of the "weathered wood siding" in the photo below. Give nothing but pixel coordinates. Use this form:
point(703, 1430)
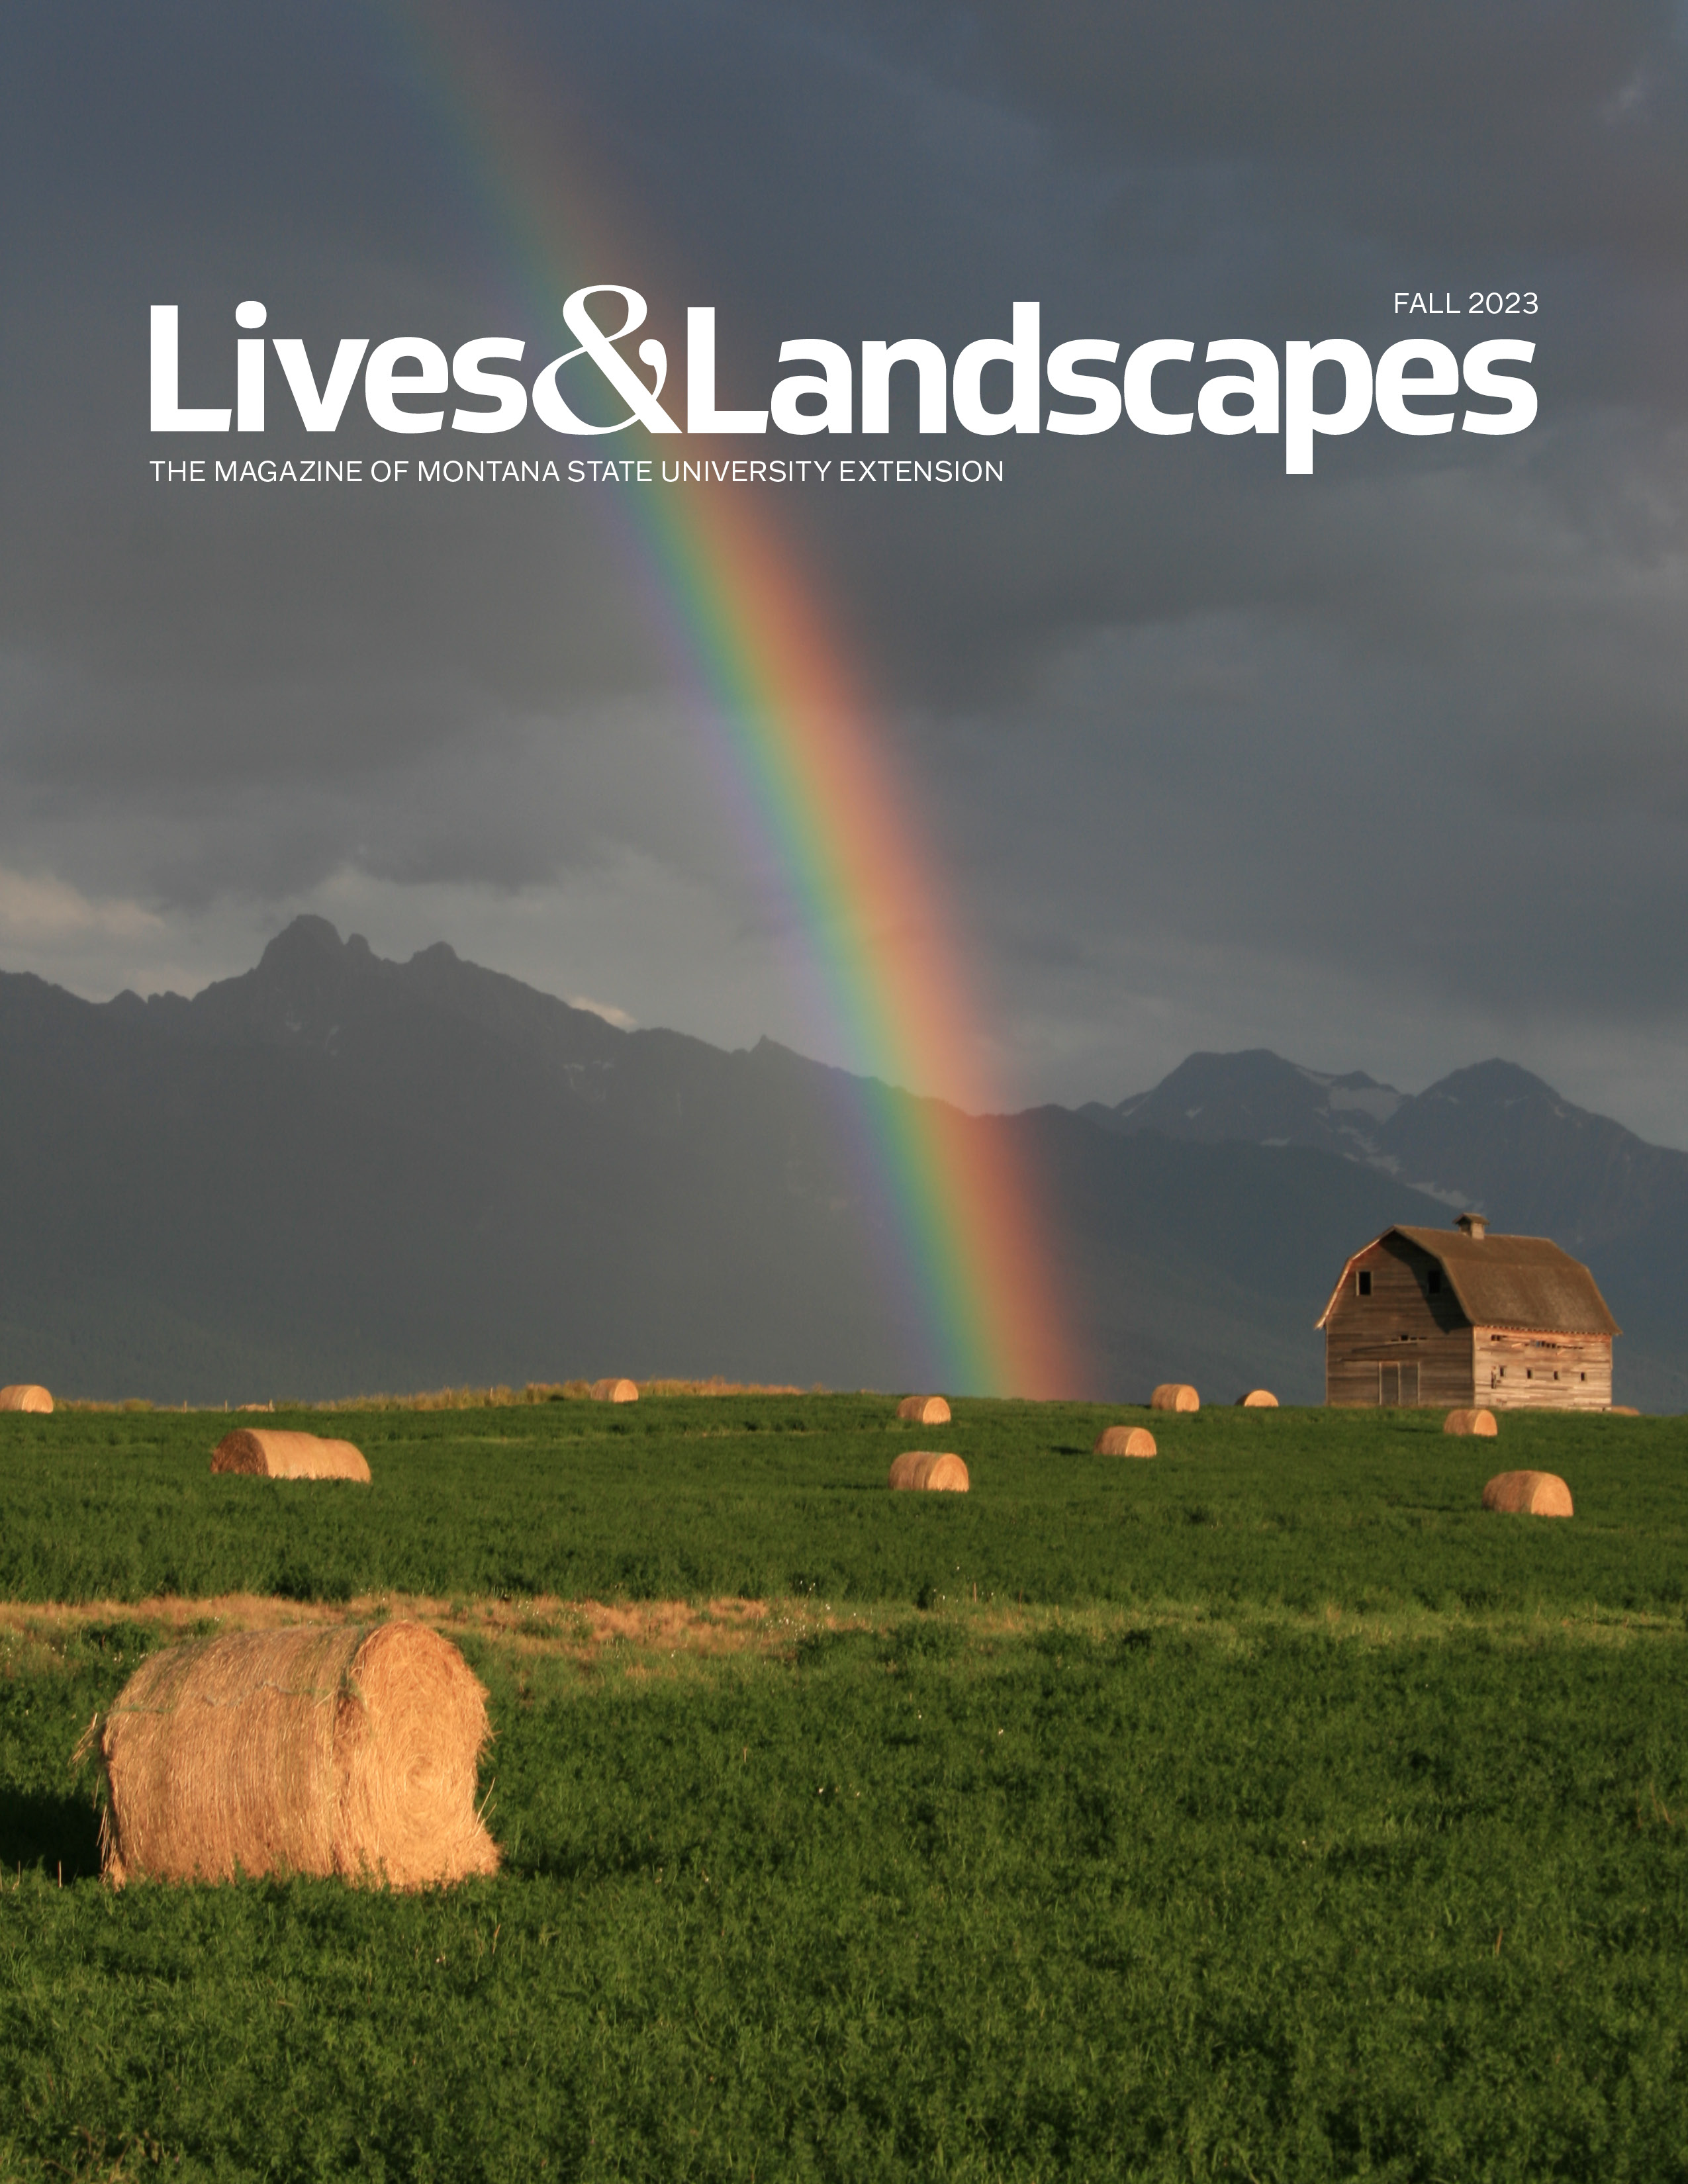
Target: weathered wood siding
point(1402, 1344)
point(1548, 1372)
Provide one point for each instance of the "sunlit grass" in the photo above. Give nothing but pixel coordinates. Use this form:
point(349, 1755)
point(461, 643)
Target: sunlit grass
point(1271, 1812)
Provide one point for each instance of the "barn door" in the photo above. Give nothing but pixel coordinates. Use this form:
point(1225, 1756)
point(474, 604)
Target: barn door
point(1389, 1385)
point(1409, 1383)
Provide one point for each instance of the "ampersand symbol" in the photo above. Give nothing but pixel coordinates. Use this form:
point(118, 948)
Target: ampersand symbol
point(644, 409)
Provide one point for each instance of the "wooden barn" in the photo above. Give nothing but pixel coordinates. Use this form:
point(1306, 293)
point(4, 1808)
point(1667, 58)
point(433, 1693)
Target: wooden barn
point(1456, 1318)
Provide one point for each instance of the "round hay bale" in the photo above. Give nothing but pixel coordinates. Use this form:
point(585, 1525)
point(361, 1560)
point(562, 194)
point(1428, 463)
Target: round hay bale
point(1622, 1411)
point(268, 1455)
point(924, 1410)
point(1528, 1494)
point(614, 1391)
point(1174, 1395)
point(1258, 1399)
point(24, 1396)
point(1126, 1441)
point(324, 1751)
point(919, 1471)
point(1470, 1422)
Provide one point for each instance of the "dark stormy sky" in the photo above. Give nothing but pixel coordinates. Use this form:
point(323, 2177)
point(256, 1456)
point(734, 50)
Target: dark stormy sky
point(1383, 768)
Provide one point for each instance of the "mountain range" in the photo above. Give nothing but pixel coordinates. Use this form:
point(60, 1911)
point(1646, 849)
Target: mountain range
point(335, 1173)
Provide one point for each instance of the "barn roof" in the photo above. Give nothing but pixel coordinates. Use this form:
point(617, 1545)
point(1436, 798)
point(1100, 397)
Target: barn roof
point(1507, 1281)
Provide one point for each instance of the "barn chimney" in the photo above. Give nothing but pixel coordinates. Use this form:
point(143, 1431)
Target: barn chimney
point(1474, 1225)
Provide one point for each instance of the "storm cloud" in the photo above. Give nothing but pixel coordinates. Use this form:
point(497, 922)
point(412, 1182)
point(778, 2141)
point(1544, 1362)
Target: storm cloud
point(1383, 768)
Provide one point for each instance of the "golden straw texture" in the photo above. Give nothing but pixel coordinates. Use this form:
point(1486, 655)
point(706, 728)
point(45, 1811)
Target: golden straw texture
point(24, 1396)
point(1470, 1422)
point(1126, 1441)
point(266, 1455)
point(919, 1471)
point(1528, 1494)
point(614, 1391)
point(1174, 1395)
point(1258, 1399)
point(924, 1410)
point(340, 1751)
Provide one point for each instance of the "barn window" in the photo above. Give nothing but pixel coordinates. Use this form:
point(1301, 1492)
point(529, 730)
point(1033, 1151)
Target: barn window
point(1362, 1282)
point(1434, 1281)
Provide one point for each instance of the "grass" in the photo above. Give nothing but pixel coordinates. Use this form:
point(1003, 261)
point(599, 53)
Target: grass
point(768, 1497)
point(1299, 1822)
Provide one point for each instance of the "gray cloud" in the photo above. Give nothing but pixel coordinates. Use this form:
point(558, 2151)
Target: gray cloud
point(1384, 768)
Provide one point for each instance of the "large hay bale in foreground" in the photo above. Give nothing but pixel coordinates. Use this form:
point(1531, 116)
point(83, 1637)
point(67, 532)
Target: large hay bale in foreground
point(1126, 1441)
point(924, 1410)
point(1470, 1422)
point(262, 1454)
point(614, 1391)
point(1258, 1399)
point(1528, 1494)
point(315, 1751)
point(24, 1396)
point(919, 1471)
point(1174, 1395)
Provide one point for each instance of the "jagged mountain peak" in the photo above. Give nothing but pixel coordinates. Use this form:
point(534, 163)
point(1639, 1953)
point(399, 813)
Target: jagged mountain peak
point(304, 936)
point(309, 986)
point(1258, 1096)
point(1492, 1136)
point(1494, 1083)
point(337, 1171)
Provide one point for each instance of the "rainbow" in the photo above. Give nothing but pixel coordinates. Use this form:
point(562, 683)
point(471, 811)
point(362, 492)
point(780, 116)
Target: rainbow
point(748, 635)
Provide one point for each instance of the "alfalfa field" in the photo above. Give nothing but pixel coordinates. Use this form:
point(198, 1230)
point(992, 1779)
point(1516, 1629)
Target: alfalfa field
point(1265, 1810)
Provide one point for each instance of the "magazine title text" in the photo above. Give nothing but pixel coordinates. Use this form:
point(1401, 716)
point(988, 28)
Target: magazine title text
point(1417, 387)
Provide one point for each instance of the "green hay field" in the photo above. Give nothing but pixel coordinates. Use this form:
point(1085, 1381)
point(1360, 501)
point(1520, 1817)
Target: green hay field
point(1265, 1811)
